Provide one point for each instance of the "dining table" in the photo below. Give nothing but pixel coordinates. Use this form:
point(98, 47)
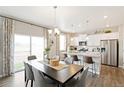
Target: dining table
point(62, 76)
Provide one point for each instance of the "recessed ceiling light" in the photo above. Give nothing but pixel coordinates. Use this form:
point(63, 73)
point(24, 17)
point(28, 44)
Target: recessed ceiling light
point(107, 26)
point(87, 38)
point(79, 25)
point(105, 17)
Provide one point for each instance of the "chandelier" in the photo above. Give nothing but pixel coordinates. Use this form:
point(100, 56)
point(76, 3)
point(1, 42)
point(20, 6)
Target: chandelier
point(55, 29)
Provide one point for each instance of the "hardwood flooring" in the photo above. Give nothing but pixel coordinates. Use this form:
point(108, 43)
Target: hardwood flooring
point(109, 77)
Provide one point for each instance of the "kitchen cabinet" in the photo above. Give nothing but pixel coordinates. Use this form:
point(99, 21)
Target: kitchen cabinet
point(94, 40)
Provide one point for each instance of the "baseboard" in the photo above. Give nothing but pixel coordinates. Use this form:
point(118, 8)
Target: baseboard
point(121, 67)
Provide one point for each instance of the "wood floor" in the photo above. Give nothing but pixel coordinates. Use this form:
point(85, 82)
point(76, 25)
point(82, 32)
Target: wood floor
point(109, 77)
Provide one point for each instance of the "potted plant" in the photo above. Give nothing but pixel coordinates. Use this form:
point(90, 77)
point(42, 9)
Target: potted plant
point(46, 52)
point(108, 31)
point(71, 48)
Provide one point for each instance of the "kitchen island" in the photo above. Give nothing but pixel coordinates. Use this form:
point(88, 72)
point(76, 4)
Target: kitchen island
point(96, 56)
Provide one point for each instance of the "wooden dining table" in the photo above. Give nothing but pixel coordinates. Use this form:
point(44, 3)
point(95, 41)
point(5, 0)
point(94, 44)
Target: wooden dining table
point(60, 76)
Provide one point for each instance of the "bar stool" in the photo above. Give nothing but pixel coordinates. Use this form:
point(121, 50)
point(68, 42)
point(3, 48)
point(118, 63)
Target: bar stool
point(88, 60)
point(75, 58)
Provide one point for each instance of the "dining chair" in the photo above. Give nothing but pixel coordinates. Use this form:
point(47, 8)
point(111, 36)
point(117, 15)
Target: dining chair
point(68, 60)
point(75, 59)
point(28, 74)
point(32, 57)
point(89, 60)
point(40, 80)
point(81, 81)
point(65, 55)
point(29, 58)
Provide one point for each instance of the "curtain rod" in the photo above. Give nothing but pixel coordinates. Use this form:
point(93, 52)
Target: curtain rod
point(22, 21)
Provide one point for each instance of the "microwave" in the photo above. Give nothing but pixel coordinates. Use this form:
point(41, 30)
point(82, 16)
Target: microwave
point(82, 43)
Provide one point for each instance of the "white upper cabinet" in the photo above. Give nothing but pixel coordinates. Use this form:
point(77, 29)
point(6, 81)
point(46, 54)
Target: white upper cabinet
point(94, 40)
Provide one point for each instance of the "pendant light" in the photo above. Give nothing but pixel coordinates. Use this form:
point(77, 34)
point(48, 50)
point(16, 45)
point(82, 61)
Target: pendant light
point(56, 30)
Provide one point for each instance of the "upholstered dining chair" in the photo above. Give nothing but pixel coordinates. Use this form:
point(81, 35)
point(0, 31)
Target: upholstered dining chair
point(28, 74)
point(65, 55)
point(32, 57)
point(40, 80)
point(81, 81)
point(67, 60)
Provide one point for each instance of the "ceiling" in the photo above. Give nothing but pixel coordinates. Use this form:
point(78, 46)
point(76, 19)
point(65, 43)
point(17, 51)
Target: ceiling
point(85, 19)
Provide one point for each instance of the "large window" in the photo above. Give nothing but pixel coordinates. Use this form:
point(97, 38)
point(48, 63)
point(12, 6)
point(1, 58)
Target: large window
point(29, 40)
point(26, 45)
point(37, 47)
point(62, 42)
point(21, 50)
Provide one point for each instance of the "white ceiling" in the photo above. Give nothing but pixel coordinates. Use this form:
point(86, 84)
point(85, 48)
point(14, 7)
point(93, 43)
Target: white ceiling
point(68, 15)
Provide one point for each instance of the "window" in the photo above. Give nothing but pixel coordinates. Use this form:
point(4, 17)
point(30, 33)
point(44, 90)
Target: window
point(62, 42)
point(29, 40)
point(24, 46)
point(37, 47)
point(21, 51)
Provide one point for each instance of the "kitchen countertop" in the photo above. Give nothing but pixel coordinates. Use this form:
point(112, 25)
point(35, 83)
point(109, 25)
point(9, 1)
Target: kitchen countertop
point(90, 54)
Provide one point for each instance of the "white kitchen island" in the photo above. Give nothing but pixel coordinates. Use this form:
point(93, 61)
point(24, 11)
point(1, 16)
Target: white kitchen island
point(96, 56)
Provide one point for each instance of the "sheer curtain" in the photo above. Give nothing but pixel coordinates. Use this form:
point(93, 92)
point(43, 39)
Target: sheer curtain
point(8, 37)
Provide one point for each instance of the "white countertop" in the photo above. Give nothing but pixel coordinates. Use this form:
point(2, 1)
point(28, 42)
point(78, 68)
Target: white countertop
point(90, 54)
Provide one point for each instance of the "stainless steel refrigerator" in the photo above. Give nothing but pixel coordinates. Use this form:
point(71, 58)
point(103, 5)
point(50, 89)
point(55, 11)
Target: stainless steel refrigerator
point(110, 54)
